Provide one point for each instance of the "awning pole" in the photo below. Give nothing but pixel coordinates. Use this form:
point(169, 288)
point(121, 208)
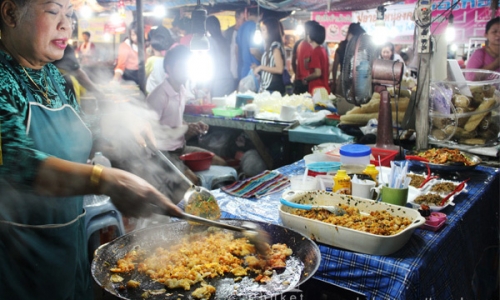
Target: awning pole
point(141, 45)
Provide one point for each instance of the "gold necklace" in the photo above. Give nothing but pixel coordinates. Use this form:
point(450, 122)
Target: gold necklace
point(46, 93)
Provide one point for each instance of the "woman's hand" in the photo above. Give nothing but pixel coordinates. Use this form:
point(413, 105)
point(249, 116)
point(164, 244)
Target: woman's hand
point(132, 195)
point(257, 69)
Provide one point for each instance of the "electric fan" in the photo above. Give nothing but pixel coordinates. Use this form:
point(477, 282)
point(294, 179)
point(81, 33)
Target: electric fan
point(361, 73)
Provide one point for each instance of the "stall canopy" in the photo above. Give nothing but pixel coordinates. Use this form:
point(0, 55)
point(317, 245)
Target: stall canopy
point(275, 5)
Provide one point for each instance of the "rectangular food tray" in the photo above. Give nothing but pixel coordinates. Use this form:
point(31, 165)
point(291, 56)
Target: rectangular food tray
point(343, 237)
point(227, 112)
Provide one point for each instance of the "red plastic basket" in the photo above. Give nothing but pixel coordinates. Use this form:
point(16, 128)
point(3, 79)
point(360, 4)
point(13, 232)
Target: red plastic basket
point(386, 156)
point(197, 161)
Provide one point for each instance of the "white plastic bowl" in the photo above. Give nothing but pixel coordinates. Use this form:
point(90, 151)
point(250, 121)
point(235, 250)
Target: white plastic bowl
point(319, 157)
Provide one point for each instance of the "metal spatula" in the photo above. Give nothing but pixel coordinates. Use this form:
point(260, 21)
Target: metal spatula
point(194, 194)
point(338, 211)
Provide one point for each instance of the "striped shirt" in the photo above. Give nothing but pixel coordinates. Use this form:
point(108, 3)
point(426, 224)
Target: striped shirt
point(268, 79)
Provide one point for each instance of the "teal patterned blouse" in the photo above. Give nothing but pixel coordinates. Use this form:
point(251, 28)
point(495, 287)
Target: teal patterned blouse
point(20, 159)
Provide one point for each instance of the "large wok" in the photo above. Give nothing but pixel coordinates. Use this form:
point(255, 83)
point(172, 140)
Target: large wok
point(300, 267)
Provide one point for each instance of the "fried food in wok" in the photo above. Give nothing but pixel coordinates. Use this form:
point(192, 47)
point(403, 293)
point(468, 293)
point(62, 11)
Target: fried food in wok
point(204, 255)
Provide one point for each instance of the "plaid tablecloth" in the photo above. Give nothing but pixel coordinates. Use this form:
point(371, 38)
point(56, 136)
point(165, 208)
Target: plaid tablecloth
point(455, 262)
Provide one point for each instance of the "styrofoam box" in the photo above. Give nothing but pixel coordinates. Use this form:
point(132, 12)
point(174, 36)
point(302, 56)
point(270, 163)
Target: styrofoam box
point(343, 237)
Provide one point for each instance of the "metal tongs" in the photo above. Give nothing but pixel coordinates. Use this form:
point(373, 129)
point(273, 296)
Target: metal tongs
point(258, 237)
point(457, 189)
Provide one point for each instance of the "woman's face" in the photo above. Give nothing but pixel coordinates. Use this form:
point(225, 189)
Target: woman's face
point(493, 35)
point(133, 36)
point(41, 34)
point(386, 53)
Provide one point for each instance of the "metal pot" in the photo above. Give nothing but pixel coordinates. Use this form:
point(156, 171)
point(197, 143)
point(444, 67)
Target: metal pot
point(300, 267)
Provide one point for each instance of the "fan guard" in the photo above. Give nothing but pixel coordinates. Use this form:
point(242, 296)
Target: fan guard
point(357, 70)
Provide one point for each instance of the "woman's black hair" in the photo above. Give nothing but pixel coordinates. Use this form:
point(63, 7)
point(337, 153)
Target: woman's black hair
point(355, 29)
point(213, 27)
point(132, 26)
point(178, 54)
point(317, 34)
point(86, 33)
point(273, 31)
point(490, 23)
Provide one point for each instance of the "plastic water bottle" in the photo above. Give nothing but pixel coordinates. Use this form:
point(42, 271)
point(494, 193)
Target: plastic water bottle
point(95, 200)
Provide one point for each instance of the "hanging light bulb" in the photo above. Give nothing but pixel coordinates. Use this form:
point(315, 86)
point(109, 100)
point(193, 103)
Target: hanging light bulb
point(299, 29)
point(159, 11)
point(85, 11)
point(257, 36)
point(381, 32)
point(450, 30)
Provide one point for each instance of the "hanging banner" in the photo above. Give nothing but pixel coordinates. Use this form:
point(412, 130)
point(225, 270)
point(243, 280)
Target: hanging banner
point(397, 19)
point(470, 17)
point(335, 23)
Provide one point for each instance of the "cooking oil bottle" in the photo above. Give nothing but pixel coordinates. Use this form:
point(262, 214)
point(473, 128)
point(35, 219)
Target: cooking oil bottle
point(342, 183)
point(372, 172)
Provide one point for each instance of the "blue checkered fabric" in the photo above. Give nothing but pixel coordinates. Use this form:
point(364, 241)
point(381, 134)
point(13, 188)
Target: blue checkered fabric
point(433, 265)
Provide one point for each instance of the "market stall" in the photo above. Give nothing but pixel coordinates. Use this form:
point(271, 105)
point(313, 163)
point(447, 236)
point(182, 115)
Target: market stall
point(427, 266)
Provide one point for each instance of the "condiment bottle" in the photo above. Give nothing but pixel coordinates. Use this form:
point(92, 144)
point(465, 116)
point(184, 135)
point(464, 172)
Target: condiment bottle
point(342, 183)
point(371, 171)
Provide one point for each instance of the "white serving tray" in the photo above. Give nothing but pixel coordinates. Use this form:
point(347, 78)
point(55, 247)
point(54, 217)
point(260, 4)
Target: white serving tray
point(343, 237)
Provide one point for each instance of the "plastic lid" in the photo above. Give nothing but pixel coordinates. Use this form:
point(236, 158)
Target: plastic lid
point(355, 150)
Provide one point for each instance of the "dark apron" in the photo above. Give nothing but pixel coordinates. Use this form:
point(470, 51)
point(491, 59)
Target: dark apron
point(43, 246)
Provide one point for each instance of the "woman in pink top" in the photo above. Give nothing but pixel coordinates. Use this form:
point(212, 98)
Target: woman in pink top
point(488, 57)
point(127, 65)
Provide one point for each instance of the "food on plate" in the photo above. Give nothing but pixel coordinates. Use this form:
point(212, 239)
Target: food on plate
point(429, 199)
point(203, 255)
point(206, 208)
point(443, 187)
point(444, 156)
point(377, 222)
point(416, 180)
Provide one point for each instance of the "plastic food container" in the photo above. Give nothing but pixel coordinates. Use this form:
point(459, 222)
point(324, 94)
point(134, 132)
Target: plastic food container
point(298, 183)
point(355, 154)
point(227, 112)
point(386, 156)
point(199, 109)
point(197, 161)
point(242, 100)
point(343, 237)
point(465, 112)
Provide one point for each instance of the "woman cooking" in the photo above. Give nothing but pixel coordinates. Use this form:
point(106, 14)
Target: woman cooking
point(488, 57)
point(44, 147)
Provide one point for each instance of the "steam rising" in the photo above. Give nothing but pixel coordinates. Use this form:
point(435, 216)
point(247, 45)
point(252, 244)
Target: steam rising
point(123, 149)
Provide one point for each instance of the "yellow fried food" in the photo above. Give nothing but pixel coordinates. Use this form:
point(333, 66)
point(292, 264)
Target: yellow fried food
point(203, 255)
point(377, 222)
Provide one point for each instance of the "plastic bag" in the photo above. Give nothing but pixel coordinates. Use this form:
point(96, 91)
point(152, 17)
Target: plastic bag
point(249, 83)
